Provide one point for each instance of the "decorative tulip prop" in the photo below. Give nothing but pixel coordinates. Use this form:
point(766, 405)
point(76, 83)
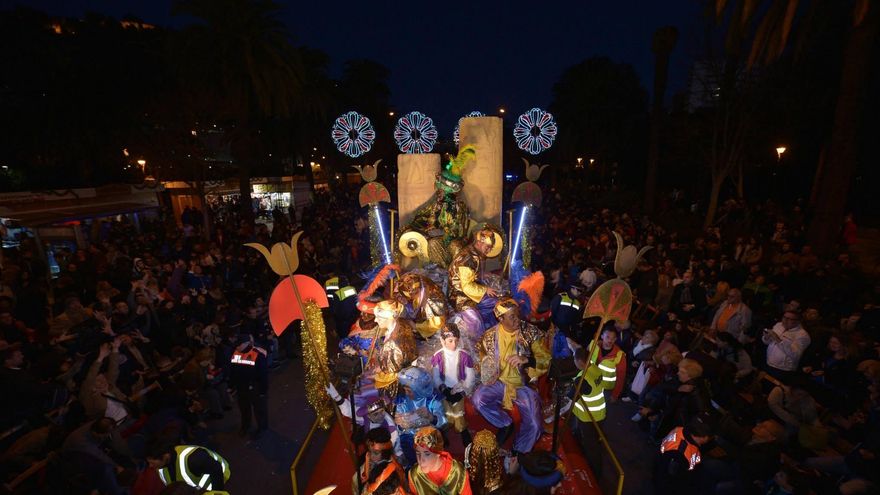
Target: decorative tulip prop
point(613, 299)
point(371, 194)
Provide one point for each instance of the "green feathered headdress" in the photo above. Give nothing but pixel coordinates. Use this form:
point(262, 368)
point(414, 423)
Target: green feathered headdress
point(450, 178)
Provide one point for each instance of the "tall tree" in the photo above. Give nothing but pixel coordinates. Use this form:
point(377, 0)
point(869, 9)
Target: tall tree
point(662, 46)
point(242, 66)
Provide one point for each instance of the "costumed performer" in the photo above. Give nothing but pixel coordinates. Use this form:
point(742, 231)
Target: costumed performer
point(418, 405)
point(484, 463)
point(446, 218)
point(515, 349)
point(360, 336)
point(454, 377)
point(368, 416)
point(539, 473)
point(436, 473)
point(380, 472)
point(424, 303)
point(397, 348)
point(468, 292)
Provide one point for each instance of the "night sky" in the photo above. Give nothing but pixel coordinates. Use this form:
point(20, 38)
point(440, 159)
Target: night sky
point(447, 59)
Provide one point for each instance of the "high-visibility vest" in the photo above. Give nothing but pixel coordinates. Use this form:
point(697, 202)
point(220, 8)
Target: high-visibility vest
point(592, 397)
point(183, 473)
point(331, 286)
point(566, 300)
point(608, 366)
point(675, 441)
point(344, 293)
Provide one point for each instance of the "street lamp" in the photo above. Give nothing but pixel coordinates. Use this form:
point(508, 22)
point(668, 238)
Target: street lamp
point(780, 150)
point(592, 161)
point(391, 114)
point(580, 162)
point(501, 110)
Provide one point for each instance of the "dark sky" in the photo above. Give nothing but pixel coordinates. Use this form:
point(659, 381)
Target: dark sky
point(447, 58)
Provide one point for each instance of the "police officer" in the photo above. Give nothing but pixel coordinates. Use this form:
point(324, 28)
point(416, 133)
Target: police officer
point(565, 309)
point(249, 375)
point(194, 465)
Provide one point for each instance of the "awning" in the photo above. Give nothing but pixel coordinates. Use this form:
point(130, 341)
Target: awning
point(55, 216)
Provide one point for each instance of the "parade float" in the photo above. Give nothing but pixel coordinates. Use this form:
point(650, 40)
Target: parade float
point(441, 260)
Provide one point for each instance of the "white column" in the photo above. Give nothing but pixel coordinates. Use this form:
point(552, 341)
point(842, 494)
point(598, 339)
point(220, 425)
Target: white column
point(416, 174)
point(484, 176)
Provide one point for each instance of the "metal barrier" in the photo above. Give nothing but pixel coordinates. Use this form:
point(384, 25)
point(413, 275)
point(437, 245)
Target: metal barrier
point(299, 455)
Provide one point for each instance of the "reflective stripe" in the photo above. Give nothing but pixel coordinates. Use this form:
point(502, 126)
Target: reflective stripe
point(181, 466)
point(237, 359)
point(563, 303)
point(596, 408)
point(606, 368)
point(163, 473)
point(332, 287)
point(204, 481)
point(609, 378)
point(579, 406)
point(598, 396)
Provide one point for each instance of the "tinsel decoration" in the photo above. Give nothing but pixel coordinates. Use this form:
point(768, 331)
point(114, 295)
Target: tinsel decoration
point(375, 240)
point(527, 244)
point(314, 344)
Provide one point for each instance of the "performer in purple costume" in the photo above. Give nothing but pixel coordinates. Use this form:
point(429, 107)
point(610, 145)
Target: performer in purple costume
point(471, 298)
point(515, 349)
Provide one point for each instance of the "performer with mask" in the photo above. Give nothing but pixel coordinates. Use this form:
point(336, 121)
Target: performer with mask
point(471, 297)
point(423, 301)
point(516, 350)
point(437, 473)
point(454, 377)
point(396, 349)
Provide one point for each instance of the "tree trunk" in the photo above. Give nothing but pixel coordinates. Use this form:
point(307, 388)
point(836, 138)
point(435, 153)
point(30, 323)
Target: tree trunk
point(837, 174)
point(664, 42)
point(717, 182)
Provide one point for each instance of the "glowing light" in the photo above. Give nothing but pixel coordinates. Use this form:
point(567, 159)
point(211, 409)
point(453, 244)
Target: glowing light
point(455, 133)
point(415, 133)
point(142, 162)
point(535, 131)
point(519, 228)
point(779, 152)
point(501, 111)
point(386, 254)
point(125, 151)
point(353, 134)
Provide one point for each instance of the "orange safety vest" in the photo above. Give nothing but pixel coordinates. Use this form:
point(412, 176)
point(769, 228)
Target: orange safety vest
point(248, 358)
point(676, 442)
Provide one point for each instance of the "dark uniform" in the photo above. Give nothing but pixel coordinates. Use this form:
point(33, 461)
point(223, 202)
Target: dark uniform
point(250, 377)
point(565, 311)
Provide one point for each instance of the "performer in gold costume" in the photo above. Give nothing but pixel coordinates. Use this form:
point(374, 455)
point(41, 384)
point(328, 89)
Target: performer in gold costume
point(470, 296)
point(423, 302)
point(397, 349)
point(516, 349)
point(436, 473)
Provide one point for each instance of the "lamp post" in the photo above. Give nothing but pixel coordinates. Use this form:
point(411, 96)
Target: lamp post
point(580, 162)
point(780, 150)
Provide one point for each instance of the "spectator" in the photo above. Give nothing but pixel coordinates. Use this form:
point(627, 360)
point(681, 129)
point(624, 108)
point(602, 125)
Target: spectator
point(786, 343)
point(733, 317)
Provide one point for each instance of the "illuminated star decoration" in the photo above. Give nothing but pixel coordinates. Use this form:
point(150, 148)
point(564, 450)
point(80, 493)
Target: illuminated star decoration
point(455, 133)
point(415, 133)
point(535, 131)
point(353, 134)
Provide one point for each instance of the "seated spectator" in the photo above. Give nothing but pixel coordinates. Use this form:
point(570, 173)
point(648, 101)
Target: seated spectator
point(786, 343)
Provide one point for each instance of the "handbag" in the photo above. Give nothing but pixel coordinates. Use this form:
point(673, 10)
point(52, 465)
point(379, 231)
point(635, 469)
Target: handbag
point(640, 380)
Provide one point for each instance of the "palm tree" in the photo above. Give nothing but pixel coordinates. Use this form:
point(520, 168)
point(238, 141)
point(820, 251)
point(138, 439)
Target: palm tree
point(243, 70)
point(775, 19)
point(662, 46)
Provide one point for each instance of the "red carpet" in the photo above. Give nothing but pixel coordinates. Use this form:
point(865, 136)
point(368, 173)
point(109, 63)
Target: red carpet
point(334, 466)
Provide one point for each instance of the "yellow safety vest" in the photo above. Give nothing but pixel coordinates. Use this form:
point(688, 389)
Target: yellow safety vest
point(593, 399)
point(568, 301)
point(345, 292)
point(185, 475)
point(331, 286)
point(608, 366)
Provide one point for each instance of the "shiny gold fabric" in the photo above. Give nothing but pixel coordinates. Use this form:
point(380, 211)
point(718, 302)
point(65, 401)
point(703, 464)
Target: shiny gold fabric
point(395, 353)
point(484, 463)
point(465, 271)
point(529, 343)
point(427, 299)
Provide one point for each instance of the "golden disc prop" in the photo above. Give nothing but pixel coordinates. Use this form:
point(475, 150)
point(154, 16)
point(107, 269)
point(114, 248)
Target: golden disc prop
point(413, 244)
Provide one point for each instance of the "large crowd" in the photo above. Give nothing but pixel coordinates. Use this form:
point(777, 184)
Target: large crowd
point(743, 348)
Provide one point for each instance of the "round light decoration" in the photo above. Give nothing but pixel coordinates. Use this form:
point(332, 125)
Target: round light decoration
point(455, 134)
point(353, 134)
point(535, 131)
point(415, 133)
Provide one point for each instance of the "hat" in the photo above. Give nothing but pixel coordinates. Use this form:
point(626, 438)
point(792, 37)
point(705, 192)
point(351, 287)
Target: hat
point(429, 438)
point(541, 469)
point(416, 379)
point(504, 305)
point(449, 180)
